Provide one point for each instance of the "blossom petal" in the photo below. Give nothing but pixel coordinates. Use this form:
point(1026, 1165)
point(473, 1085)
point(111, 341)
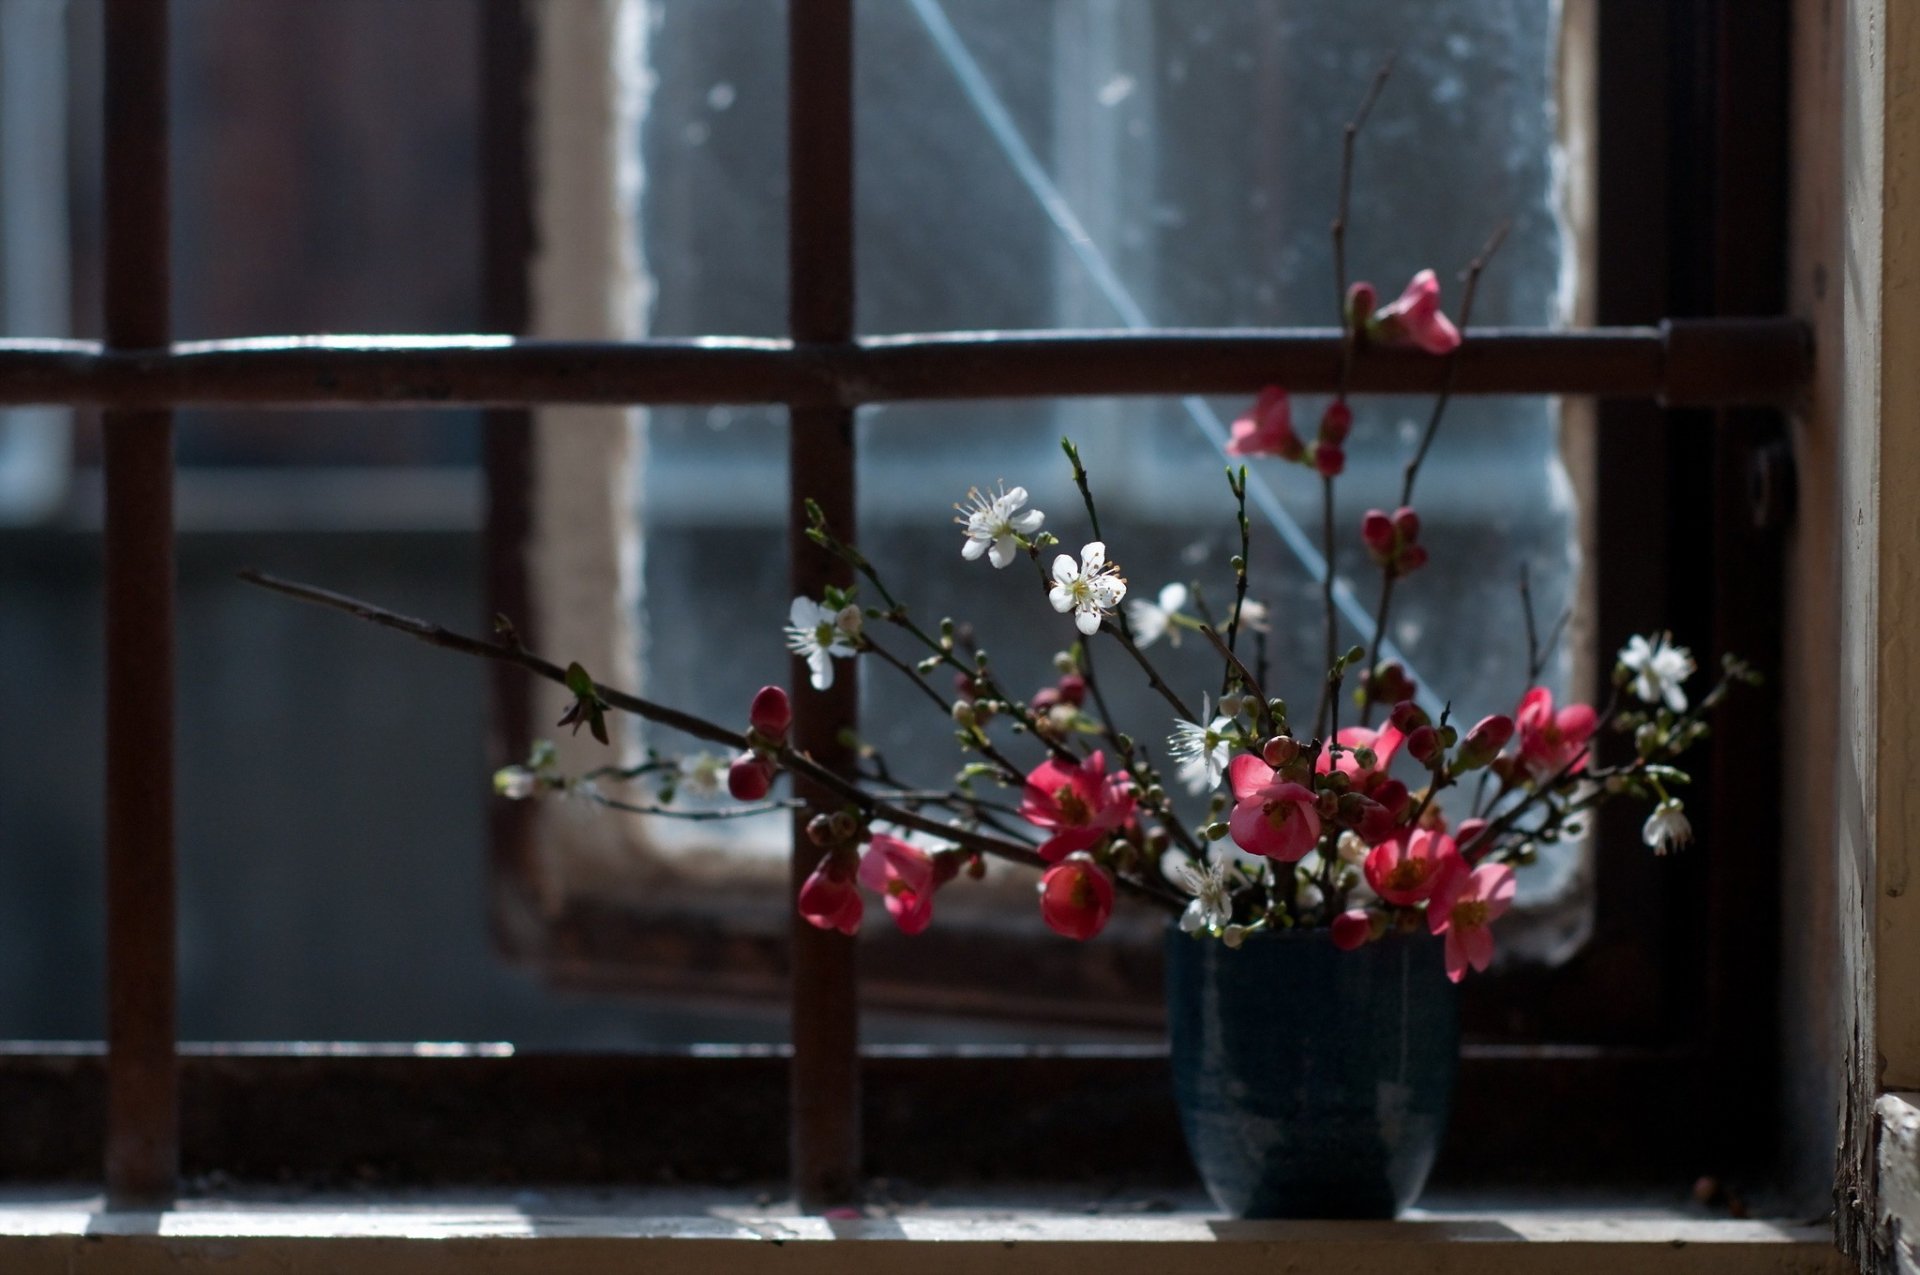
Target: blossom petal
point(1248, 775)
point(1087, 620)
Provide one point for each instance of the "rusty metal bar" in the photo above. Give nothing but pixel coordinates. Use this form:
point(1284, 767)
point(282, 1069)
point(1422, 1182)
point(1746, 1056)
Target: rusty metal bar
point(142, 1134)
point(824, 1082)
point(1682, 362)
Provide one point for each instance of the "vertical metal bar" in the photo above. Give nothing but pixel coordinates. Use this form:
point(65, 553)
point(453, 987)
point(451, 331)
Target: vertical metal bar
point(825, 1081)
point(142, 1152)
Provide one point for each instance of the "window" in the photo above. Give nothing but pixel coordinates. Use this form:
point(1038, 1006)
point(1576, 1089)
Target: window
point(1673, 1060)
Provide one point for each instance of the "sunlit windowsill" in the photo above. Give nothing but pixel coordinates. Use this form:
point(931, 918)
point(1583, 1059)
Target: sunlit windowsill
point(740, 1230)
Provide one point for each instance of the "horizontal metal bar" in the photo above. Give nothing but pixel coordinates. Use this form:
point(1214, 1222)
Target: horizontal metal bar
point(1682, 362)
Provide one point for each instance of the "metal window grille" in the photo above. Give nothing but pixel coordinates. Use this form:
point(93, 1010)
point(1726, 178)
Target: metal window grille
point(820, 373)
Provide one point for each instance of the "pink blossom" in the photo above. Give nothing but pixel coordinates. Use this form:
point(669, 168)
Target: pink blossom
point(1268, 429)
point(1076, 897)
point(1352, 929)
point(1384, 742)
point(771, 713)
point(1271, 817)
point(1335, 424)
point(902, 875)
point(1406, 873)
point(1080, 804)
point(1414, 318)
point(1464, 906)
point(828, 898)
point(1551, 742)
point(749, 777)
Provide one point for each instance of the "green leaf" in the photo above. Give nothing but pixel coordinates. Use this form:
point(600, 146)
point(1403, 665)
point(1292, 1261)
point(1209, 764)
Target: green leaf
point(579, 681)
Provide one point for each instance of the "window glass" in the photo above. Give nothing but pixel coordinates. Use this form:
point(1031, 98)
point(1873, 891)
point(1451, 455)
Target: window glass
point(1092, 164)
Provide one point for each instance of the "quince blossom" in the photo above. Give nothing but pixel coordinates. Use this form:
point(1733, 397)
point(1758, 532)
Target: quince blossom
point(829, 899)
point(1464, 905)
point(1408, 873)
point(1271, 817)
point(1076, 897)
point(820, 633)
point(1414, 318)
point(1551, 742)
point(1090, 589)
point(1658, 668)
point(1080, 804)
point(902, 875)
point(995, 526)
point(1267, 430)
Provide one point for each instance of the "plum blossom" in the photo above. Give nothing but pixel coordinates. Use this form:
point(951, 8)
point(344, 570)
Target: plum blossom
point(1076, 897)
point(1464, 905)
point(829, 899)
point(994, 524)
point(1152, 620)
point(1658, 669)
point(1079, 804)
point(1267, 430)
point(1667, 827)
point(1551, 742)
point(1414, 318)
point(820, 633)
point(902, 875)
point(1212, 890)
point(700, 773)
point(1202, 751)
point(515, 783)
point(1090, 588)
point(1271, 817)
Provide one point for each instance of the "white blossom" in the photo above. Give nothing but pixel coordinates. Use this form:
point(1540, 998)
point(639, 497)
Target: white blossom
point(1212, 890)
point(515, 783)
point(1090, 588)
point(1202, 751)
point(703, 774)
point(995, 526)
point(1152, 620)
point(820, 633)
point(1667, 827)
point(1254, 615)
point(1658, 669)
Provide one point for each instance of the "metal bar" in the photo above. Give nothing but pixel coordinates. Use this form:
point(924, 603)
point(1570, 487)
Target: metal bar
point(142, 1135)
point(824, 1082)
point(1683, 362)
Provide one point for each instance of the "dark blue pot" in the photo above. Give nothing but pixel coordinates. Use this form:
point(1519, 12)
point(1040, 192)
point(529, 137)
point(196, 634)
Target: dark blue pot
point(1312, 1082)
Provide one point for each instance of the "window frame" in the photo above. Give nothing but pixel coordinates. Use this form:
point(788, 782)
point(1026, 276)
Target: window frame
point(824, 1069)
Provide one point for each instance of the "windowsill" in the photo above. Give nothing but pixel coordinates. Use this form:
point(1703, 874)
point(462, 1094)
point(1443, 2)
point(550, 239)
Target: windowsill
point(668, 1230)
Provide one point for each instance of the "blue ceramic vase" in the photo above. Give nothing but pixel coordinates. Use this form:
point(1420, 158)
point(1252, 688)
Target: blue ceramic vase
point(1312, 1082)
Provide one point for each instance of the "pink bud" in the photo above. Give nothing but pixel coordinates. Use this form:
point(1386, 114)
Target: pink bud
point(1414, 318)
point(1467, 833)
point(1411, 559)
point(1423, 745)
point(1373, 821)
point(1376, 529)
point(1330, 461)
point(1408, 717)
point(749, 778)
point(1281, 750)
point(1336, 423)
point(771, 713)
point(1407, 523)
point(1352, 929)
point(1073, 689)
point(1491, 732)
point(1392, 795)
point(828, 898)
point(1076, 897)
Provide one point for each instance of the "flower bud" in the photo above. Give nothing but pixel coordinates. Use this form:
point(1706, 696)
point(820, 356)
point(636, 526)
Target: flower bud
point(1411, 559)
point(1361, 302)
point(1484, 742)
point(1352, 928)
point(1336, 423)
point(1073, 689)
point(845, 826)
point(1329, 460)
point(1407, 523)
point(771, 713)
point(1392, 795)
point(1281, 750)
point(1076, 897)
point(820, 830)
point(1408, 717)
point(964, 715)
point(1423, 745)
point(1468, 832)
point(515, 783)
point(1376, 529)
point(828, 899)
point(749, 778)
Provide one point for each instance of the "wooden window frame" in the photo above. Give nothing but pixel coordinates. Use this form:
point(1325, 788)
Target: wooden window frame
point(1621, 1100)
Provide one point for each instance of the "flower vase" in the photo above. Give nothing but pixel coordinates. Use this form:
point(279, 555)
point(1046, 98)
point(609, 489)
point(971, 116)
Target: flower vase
point(1311, 1082)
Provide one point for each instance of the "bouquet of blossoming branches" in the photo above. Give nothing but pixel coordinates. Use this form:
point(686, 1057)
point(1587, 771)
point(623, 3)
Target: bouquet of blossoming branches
point(1305, 823)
